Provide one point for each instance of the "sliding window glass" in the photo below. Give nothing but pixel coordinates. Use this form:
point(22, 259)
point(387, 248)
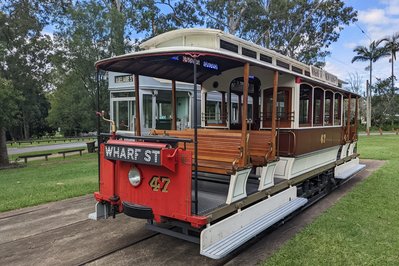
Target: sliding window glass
point(337, 109)
point(318, 106)
point(305, 105)
point(328, 108)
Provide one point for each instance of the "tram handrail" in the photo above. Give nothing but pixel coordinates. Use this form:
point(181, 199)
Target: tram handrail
point(153, 138)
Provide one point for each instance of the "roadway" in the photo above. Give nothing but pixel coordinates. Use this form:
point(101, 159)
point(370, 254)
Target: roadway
point(60, 233)
point(12, 150)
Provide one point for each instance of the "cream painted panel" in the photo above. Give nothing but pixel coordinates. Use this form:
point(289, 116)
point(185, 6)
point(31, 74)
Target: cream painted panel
point(207, 41)
point(173, 42)
point(265, 76)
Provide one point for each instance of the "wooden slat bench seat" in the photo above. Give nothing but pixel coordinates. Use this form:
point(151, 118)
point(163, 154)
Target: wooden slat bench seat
point(218, 149)
point(25, 157)
point(69, 151)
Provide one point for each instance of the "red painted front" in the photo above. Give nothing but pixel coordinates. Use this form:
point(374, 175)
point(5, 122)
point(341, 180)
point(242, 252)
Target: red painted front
point(172, 202)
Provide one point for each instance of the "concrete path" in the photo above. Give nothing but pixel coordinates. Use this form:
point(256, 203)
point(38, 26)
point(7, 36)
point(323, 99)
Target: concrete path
point(59, 233)
point(47, 147)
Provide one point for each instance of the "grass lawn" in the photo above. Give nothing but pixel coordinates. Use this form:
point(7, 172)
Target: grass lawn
point(44, 181)
point(360, 229)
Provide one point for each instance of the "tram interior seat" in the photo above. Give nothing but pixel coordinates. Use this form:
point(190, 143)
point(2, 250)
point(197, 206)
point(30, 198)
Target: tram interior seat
point(218, 149)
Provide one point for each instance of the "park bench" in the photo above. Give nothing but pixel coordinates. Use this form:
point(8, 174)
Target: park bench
point(70, 151)
point(25, 157)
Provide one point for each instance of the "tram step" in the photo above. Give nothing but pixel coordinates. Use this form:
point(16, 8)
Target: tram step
point(220, 248)
point(348, 169)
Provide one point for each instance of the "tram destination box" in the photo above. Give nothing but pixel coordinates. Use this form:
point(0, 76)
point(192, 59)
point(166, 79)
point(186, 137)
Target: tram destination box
point(142, 155)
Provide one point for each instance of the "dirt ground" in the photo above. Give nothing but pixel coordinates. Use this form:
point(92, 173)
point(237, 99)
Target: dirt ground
point(60, 233)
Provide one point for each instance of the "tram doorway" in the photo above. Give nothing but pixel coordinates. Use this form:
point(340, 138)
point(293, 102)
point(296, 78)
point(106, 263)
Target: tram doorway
point(236, 100)
point(123, 110)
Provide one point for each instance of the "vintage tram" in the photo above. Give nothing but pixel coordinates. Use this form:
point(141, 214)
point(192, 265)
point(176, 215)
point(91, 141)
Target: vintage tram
point(282, 135)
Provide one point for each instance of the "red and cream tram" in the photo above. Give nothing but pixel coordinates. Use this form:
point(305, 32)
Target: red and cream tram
point(282, 135)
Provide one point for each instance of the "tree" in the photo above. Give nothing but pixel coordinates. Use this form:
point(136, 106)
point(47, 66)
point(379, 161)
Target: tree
point(312, 25)
point(25, 61)
point(370, 54)
point(87, 32)
point(385, 102)
point(354, 83)
point(9, 98)
point(392, 45)
point(156, 17)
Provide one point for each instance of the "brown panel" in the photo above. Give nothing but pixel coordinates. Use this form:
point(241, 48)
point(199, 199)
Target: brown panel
point(300, 141)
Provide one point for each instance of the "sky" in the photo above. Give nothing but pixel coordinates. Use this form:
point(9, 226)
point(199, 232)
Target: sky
point(377, 18)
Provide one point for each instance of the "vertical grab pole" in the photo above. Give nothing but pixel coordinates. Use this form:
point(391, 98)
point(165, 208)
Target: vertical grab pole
point(137, 96)
point(348, 121)
point(98, 123)
point(195, 137)
point(244, 116)
point(274, 114)
point(174, 115)
point(356, 114)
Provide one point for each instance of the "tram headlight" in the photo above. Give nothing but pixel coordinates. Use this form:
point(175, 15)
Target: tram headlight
point(134, 176)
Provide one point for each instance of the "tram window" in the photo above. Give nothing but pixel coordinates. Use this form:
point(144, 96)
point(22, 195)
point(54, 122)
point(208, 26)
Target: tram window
point(283, 98)
point(250, 108)
point(305, 105)
point(123, 114)
point(235, 109)
point(337, 109)
point(213, 109)
point(328, 109)
point(318, 97)
point(147, 109)
point(283, 106)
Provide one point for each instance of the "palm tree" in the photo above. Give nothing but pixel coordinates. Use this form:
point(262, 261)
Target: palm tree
point(392, 46)
point(371, 54)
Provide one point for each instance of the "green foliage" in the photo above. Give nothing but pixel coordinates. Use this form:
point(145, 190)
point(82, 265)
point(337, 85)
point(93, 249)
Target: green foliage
point(26, 62)
point(311, 28)
point(9, 99)
point(81, 39)
point(385, 103)
point(156, 17)
point(361, 228)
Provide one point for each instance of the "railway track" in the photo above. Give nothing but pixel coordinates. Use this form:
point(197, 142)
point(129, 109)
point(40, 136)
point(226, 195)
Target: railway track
point(60, 234)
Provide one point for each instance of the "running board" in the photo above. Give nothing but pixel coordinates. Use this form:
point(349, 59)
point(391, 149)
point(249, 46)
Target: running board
point(220, 239)
point(348, 169)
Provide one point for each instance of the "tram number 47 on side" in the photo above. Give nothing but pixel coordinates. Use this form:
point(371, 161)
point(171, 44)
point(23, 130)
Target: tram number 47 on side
point(159, 183)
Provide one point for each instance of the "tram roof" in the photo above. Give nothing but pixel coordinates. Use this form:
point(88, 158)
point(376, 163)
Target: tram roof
point(168, 56)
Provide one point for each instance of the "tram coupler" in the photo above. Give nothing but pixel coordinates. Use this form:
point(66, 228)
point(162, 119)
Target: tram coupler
point(114, 205)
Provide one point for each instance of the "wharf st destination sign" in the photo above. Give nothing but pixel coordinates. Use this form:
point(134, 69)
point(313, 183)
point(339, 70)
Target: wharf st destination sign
point(133, 154)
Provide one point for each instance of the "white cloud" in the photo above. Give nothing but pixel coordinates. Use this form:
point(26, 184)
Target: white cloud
point(351, 45)
point(392, 7)
point(373, 17)
point(381, 22)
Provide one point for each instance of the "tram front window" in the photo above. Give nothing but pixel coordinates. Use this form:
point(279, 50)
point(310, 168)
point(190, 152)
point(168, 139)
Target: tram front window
point(147, 110)
point(123, 115)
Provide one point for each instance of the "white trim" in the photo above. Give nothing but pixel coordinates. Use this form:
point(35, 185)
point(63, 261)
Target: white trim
point(267, 176)
point(288, 167)
point(238, 185)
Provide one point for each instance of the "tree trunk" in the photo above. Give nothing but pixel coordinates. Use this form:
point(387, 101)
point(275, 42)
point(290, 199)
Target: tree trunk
point(369, 97)
point(26, 128)
point(3, 148)
point(393, 88)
